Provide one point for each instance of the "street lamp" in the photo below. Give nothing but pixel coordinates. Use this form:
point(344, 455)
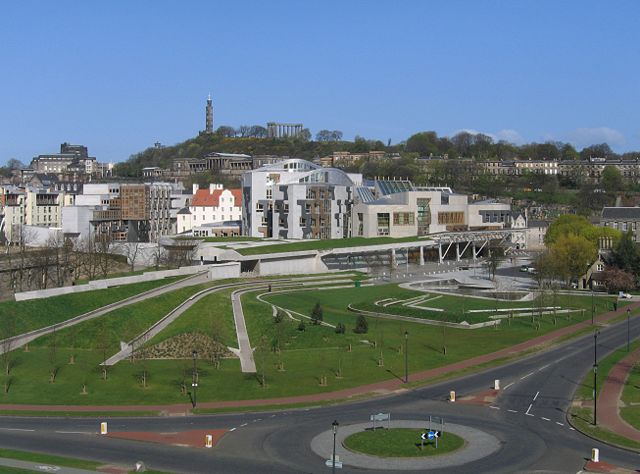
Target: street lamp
point(593, 309)
point(333, 456)
point(595, 380)
point(194, 378)
point(628, 314)
point(406, 357)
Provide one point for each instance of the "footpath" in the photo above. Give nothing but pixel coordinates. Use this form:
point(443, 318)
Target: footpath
point(384, 387)
point(610, 399)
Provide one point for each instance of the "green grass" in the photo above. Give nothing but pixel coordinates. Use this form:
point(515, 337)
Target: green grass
point(400, 442)
point(47, 459)
point(79, 414)
point(582, 418)
point(34, 314)
point(323, 244)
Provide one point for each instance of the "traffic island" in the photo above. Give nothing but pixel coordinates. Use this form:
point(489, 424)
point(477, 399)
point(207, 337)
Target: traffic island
point(474, 444)
point(403, 442)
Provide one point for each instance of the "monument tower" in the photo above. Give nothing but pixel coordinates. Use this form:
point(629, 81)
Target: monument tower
point(209, 118)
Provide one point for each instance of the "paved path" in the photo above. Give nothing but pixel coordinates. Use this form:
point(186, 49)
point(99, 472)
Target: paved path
point(244, 351)
point(478, 445)
point(610, 398)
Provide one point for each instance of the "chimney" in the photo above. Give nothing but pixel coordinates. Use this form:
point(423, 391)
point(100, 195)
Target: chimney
point(195, 188)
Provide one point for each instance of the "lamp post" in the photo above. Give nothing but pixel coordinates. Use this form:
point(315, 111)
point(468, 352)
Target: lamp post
point(333, 456)
point(595, 375)
point(628, 314)
point(194, 378)
point(593, 309)
point(406, 357)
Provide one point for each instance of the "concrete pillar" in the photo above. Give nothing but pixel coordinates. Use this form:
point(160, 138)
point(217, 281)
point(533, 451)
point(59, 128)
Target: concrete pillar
point(394, 262)
point(421, 255)
point(473, 250)
point(440, 259)
point(458, 252)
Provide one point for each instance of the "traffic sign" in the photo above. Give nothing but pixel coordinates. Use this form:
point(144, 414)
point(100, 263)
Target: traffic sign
point(329, 463)
point(430, 435)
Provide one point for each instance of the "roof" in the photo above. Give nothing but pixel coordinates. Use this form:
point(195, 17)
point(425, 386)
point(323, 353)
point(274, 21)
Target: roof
point(184, 210)
point(203, 198)
point(386, 186)
point(621, 213)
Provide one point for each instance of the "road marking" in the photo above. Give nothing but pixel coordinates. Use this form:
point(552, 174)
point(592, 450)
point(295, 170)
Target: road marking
point(15, 429)
point(72, 432)
point(233, 429)
point(509, 385)
point(528, 375)
point(543, 367)
point(558, 423)
point(572, 428)
point(530, 414)
point(545, 419)
point(534, 398)
point(272, 416)
point(243, 424)
point(495, 408)
point(527, 412)
point(512, 411)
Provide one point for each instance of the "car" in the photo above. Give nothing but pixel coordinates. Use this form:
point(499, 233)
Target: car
point(624, 295)
point(524, 268)
point(531, 270)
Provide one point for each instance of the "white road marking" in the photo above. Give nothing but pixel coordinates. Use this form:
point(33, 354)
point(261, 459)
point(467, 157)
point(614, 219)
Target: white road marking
point(527, 412)
point(509, 385)
point(512, 411)
point(528, 375)
point(543, 367)
point(534, 398)
point(558, 423)
point(572, 428)
point(15, 429)
point(545, 419)
point(72, 432)
point(530, 414)
point(272, 416)
point(232, 429)
point(243, 424)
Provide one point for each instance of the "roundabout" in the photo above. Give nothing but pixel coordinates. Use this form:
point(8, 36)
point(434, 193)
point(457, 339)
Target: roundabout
point(476, 445)
point(401, 442)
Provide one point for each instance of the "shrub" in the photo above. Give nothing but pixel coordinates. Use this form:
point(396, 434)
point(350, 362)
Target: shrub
point(302, 326)
point(316, 314)
point(340, 329)
point(361, 325)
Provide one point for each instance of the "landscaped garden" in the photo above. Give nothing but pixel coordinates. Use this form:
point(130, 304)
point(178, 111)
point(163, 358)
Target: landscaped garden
point(314, 344)
point(401, 442)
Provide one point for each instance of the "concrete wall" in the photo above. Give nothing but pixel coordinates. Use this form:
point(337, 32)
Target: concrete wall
point(291, 265)
point(225, 270)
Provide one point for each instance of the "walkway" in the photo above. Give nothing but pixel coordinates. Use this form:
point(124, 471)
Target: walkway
point(610, 398)
point(244, 351)
point(379, 387)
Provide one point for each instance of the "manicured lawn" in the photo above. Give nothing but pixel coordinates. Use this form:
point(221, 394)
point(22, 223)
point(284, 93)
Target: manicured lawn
point(47, 459)
point(324, 244)
point(400, 442)
point(199, 318)
point(34, 314)
point(582, 419)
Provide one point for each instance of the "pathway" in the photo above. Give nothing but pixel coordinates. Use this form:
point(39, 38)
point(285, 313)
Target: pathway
point(244, 351)
point(610, 398)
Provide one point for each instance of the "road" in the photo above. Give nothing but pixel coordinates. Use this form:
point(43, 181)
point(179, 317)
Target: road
point(529, 419)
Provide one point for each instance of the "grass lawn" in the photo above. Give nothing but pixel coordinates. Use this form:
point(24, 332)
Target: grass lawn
point(582, 419)
point(293, 362)
point(324, 244)
point(400, 442)
point(34, 314)
point(46, 459)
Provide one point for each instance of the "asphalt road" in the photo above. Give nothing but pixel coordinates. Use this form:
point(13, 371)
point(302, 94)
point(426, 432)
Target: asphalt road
point(529, 419)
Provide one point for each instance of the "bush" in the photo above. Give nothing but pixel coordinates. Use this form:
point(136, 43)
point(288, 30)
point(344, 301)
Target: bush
point(279, 316)
point(340, 329)
point(302, 326)
point(361, 325)
point(316, 314)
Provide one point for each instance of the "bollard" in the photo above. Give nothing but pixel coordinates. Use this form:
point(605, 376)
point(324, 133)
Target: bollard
point(595, 455)
point(496, 384)
point(208, 441)
point(452, 396)
point(103, 428)
point(140, 467)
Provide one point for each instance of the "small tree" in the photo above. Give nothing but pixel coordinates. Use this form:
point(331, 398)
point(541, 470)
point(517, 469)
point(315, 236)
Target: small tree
point(340, 328)
point(302, 326)
point(279, 316)
point(361, 325)
point(316, 314)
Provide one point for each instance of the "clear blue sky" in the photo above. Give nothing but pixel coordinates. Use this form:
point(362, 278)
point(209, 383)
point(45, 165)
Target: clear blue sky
point(119, 75)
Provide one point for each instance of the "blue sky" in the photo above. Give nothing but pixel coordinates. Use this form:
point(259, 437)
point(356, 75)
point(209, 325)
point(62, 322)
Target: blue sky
point(119, 75)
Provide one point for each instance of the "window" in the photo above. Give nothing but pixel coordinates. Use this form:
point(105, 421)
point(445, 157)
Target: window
point(259, 207)
point(403, 218)
point(450, 218)
point(383, 223)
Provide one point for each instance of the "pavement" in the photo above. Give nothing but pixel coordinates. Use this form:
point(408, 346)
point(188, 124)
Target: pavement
point(610, 399)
